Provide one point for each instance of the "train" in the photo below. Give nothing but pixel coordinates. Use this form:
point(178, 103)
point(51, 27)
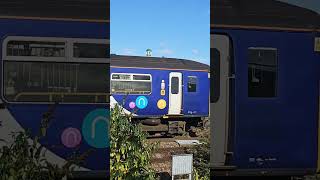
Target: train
point(163, 95)
point(264, 101)
point(54, 58)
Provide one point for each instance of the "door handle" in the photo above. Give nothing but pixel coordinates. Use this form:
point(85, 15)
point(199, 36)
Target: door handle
point(232, 76)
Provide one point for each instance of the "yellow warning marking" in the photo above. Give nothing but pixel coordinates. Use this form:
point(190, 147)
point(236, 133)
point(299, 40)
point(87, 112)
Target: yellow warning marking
point(163, 92)
point(317, 44)
point(162, 104)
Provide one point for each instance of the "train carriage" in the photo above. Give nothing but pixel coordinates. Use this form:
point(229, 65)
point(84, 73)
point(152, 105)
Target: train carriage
point(57, 62)
point(160, 90)
point(265, 88)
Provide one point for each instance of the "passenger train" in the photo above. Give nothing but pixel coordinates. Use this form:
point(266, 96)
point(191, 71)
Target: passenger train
point(55, 57)
point(165, 95)
point(265, 69)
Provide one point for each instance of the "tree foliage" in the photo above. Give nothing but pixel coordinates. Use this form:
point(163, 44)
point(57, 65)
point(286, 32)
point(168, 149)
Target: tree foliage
point(130, 153)
point(24, 158)
point(201, 157)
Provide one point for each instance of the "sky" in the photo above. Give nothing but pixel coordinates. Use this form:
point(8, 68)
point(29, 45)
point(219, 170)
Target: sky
point(170, 28)
point(310, 4)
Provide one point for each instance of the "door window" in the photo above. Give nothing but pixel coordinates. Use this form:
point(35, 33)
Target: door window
point(214, 75)
point(174, 85)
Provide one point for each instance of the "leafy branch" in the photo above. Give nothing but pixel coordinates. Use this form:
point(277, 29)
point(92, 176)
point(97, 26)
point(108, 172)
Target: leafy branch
point(25, 157)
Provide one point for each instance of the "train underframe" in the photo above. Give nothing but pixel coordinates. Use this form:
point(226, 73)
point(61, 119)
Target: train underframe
point(171, 126)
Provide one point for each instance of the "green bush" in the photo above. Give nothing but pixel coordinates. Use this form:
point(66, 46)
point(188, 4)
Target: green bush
point(130, 154)
point(24, 158)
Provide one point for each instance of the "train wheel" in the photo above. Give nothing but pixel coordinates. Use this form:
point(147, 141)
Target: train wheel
point(151, 122)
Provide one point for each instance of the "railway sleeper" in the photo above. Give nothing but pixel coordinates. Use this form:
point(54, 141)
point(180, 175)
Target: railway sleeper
point(168, 128)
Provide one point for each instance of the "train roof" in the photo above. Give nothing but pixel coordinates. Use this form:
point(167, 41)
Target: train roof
point(157, 63)
point(265, 13)
point(68, 9)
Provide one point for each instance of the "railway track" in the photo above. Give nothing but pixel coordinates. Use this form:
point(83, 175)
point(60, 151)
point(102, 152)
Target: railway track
point(196, 134)
point(162, 156)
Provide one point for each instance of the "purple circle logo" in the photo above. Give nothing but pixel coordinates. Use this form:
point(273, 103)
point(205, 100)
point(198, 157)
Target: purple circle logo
point(132, 105)
point(71, 137)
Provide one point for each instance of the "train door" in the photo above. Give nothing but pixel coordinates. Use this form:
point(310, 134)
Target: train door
point(175, 93)
point(219, 98)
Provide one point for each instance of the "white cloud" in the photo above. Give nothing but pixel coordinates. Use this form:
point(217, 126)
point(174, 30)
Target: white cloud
point(128, 51)
point(195, 51)
point(166, 51)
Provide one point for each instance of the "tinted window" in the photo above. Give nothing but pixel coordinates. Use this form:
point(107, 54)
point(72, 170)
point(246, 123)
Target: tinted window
point(131, 84)
point(192, 84)
point(262, 72)
point(90, 50)
point(214, 75)
point(36, 48)
point(141, 77)
point(49, 82)
point(130, 87)
point(174, 85)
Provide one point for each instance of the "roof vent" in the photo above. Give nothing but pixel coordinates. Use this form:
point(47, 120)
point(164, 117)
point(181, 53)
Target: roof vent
point(148, 52)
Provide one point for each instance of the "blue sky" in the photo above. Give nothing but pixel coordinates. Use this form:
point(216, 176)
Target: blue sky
point(171, 28)
point(311, 4)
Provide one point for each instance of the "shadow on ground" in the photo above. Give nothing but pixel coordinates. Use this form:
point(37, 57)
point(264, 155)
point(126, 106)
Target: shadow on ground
point(164, 176)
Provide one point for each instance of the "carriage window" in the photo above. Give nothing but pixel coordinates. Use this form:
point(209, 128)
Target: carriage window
point(51, 82)
point(52, 77)
point(214, 75)
point(36, 49)
point(262, 72)
point(192, 84)
point(90, 50)
point(174, 85)
point(141, 77)
point(131, 84)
